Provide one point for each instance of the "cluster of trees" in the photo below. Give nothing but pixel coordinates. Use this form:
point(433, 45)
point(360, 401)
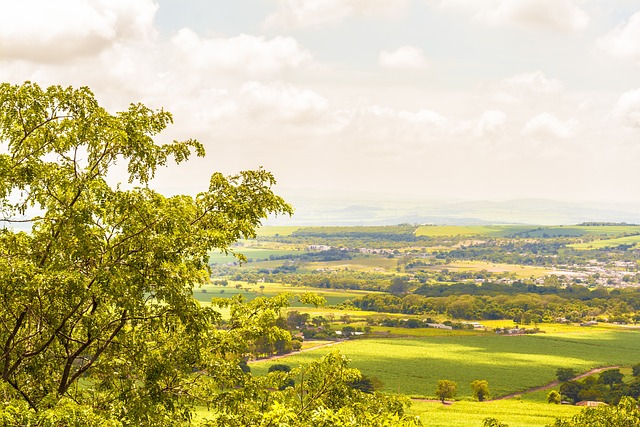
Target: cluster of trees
point(608, 387)
point(522, 308)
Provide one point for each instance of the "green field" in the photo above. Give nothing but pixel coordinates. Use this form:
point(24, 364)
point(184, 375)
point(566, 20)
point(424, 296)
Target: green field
point(215, 257)
point(606, 243)
point(413, 366)
point(274, 231)
point(252, 291)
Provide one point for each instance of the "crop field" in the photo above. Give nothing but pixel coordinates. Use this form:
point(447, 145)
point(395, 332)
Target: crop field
point(413, 366)
point(513, 412)
point(470, 230)
point(367, 263)
point(519, 270)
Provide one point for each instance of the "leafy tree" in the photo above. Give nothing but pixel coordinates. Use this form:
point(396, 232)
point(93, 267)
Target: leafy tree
point(611, 377)
point(279, 367)
point(366, 384)
point(347, 331)
point(446, 390)
point(480, 390)
point(565, 374)
point(571, 390)
point(321, 397)
point(554, 397)
point(636, 370)
point(100, 286)
point(399, 286)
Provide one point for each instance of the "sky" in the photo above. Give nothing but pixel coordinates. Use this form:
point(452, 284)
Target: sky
point(394, 100)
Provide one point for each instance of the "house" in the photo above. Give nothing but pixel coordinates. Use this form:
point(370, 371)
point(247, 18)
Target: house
point(439, 326)
point(590, 403)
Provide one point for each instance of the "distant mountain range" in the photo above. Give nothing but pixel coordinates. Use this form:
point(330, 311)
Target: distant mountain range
point(522, 211)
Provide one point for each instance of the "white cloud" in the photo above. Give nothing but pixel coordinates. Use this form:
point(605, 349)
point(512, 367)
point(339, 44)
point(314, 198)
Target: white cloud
point(465, 6)
point(556, 15)
point(627, 110)
point(424, 117)
point(547, 125)
point(523, 87)
point(406, 57)
point(317, 13)
point(244, 54)
point(282, 101)
point(623, 41)
point(490, 122)
point(535, 82)
point(58, 31)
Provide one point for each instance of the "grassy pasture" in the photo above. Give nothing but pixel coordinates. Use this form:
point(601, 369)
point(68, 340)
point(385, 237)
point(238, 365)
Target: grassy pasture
point(413, 366)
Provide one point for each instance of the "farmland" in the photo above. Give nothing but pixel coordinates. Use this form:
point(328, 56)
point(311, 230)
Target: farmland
point(413, 366)
point(381, 279)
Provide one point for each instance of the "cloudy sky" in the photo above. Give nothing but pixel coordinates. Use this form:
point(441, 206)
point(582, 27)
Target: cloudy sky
point(407, 99)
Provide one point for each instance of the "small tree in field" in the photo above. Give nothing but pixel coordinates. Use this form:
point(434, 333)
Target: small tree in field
point(446, 390)
point(636, 370)
point(480, 390)
point(554, 397)
point(493, 422)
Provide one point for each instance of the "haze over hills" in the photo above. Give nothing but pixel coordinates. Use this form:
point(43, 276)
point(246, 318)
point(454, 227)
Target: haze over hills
point(355, 211)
